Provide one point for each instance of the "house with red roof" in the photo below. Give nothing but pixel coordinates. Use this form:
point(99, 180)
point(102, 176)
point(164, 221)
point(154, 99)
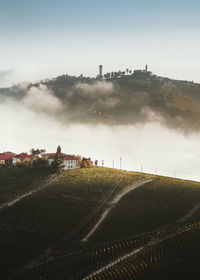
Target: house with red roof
point(21, 158)
point(69, 161)
point(6, 159)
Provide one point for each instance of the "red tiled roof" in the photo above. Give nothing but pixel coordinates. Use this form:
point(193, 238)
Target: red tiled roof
point(52, 155)
point(69, 157)
point(4, 157)
point(23, 156)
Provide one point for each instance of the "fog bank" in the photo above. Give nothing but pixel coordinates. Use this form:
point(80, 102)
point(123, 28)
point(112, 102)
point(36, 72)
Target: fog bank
point(151, 145)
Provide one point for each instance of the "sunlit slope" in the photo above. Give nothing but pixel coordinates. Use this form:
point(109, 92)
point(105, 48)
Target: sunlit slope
point(43, 219)
point(16, 181)
point(158, 203)
point(58, 217)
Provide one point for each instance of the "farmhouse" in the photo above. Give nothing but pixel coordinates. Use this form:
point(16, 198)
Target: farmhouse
point(71, 162)
point(68, 161)
point(6, 160)
point(12, 159)
point(23, 157)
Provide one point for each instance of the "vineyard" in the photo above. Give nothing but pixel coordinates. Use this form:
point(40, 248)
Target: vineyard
point(167, 253)
point(141, 237)
point(14, 181)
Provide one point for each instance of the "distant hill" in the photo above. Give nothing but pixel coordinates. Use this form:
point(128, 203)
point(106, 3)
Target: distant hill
point(118, 99)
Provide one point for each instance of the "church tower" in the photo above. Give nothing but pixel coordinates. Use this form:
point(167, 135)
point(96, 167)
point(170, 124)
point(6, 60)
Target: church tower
point(59, 151)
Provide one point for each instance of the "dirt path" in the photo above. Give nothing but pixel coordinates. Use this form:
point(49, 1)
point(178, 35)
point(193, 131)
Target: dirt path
point(189, 214)
point(134, 252)
point(113, 263)
point(21, 197)
point(115, 200)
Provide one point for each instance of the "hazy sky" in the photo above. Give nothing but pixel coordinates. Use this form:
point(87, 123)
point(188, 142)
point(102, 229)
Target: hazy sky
point(45, 38)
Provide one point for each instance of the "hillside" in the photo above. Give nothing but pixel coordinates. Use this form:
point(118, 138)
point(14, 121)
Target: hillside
point(45, 229)
point(118, 100)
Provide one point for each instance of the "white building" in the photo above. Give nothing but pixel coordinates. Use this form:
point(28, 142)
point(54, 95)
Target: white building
point(70, 162)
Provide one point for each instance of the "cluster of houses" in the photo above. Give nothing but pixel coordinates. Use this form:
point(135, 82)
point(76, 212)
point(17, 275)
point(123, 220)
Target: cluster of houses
point(10, 159)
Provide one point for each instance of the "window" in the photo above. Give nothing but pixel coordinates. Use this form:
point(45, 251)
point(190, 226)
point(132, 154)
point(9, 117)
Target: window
point(71, 166)
point(68, 166)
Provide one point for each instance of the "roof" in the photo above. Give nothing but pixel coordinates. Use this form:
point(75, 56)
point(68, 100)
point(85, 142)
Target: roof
point(7, 155)
point(23, 156)
point(69, 157)
point(4, 157)
point(52, 155)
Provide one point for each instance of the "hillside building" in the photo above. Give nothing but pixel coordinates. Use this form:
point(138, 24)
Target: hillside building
point(68, 161)
point(23, 157)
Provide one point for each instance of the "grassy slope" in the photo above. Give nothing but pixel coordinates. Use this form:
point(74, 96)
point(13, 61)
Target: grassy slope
point(158, 203)
point(175, 256)
point(16, 181)
point(43, 219)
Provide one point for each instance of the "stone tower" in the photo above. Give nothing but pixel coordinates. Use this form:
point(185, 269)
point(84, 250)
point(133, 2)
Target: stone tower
point(59, 151)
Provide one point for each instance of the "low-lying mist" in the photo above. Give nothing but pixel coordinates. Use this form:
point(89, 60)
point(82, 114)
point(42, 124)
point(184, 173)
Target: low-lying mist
point(150, 145)
point(78, 100)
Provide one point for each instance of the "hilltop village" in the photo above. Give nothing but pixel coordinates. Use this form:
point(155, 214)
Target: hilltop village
point(127, 76)
point(114, 98)
point(10, 159)
point(141, 76)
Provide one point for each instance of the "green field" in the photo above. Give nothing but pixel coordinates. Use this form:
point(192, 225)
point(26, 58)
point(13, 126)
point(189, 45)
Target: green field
point(16, 181)
point(52, 222)
point(158, 203)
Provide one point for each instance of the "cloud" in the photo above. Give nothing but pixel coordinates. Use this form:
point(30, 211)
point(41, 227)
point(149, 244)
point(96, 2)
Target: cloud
point(97, 120)
point(99, 87)
point(71, 100)
point(41, 99)
point(151, 116)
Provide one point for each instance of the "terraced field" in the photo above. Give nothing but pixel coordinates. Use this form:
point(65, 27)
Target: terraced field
point(168, 253)
point(141, 236)
point(16, 181)
point(158, 203)
point(57, 214)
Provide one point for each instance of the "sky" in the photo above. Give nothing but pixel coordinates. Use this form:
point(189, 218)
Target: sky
point(46, 38)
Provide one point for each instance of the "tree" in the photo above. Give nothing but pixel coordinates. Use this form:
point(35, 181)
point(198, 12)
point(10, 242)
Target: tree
point(37, 152)
point(40, 163)
point(86, 163)
point(23, 163)
point(57, 164)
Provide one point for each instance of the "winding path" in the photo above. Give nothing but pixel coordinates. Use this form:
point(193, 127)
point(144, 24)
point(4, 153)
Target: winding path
point(115, 200)
point(113, 263)
point(21, 197)
point(189, 214)
point(134, 252)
